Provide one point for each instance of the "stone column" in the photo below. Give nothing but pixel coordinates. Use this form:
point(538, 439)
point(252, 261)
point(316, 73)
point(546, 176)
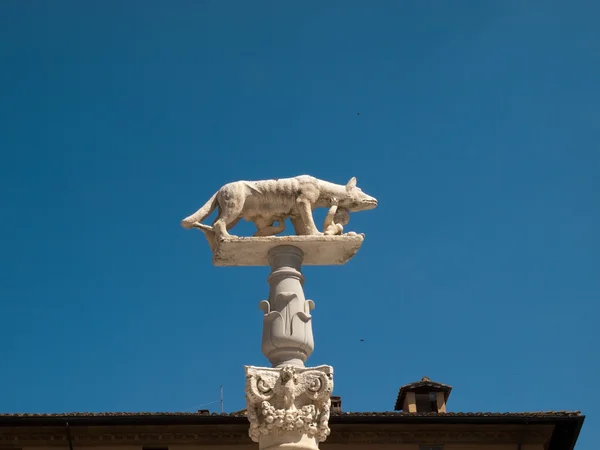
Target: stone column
point(288, 405)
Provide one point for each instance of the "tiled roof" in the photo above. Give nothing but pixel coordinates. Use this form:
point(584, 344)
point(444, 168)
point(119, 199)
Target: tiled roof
point(343, 414)
point(566, 423)
point(120, 414)
point(465, 414)
point(426, 381)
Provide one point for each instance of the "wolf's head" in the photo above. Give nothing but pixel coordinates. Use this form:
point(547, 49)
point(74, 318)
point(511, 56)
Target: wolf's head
point(355, 199)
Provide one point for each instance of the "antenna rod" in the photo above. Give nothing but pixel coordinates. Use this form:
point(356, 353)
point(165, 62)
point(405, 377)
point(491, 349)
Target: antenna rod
point(69, 436)
point(221, 399)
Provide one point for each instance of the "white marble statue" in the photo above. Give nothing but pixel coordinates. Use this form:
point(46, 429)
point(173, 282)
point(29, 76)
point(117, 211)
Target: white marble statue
point(269, 201)
point(288, 404)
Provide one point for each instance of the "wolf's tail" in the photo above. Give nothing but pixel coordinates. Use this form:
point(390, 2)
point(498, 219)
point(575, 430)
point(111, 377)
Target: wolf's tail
point(201, 214)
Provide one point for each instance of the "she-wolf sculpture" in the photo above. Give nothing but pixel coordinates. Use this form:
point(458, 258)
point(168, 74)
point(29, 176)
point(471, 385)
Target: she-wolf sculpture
point(268, 201)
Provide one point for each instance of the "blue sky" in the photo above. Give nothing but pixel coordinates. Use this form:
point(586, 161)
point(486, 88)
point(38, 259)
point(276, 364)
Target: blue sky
point(478, 132)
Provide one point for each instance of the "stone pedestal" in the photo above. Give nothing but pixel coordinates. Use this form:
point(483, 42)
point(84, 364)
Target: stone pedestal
point(288, 404)
point(319, 250)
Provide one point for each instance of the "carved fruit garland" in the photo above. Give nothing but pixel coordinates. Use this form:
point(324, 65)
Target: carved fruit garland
point(289, 399)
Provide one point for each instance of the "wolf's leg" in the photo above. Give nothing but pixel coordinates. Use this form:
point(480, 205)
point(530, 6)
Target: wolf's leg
point(298, 224)
point(229, 225)
point(228, 216)
point(305, 210)
point(265, 227)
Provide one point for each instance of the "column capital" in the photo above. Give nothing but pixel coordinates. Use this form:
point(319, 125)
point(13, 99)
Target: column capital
point(289, 404)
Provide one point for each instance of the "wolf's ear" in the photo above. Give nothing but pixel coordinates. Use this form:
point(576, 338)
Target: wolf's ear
point(351, 184)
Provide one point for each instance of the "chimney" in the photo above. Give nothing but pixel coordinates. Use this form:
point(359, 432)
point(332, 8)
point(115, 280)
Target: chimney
point(423, 396)
point(336, 404)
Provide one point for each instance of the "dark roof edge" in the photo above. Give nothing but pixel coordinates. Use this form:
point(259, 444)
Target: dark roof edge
point(567, 425)
point(459, 419)
point(340, 418)
point(566, 433)
point(116, 420)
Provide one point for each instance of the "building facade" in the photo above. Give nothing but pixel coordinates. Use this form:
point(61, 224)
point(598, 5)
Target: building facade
point(420, 422)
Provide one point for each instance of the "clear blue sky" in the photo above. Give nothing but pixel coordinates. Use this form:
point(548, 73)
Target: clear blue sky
point(478, 132)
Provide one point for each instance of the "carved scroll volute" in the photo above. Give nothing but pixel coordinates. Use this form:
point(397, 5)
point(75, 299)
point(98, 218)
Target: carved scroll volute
point(260, 385)
point(318, 384)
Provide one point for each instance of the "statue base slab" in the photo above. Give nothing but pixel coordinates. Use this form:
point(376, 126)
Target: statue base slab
point(318, 250)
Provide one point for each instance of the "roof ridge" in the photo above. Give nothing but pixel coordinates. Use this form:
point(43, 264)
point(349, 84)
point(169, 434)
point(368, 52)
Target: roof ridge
point(242, 414)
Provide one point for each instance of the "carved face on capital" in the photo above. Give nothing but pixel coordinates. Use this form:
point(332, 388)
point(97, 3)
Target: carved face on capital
point(355, 199)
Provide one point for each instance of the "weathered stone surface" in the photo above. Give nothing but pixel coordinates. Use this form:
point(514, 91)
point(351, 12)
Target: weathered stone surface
point(289, 406)
point(319, 250)
point(269, 203)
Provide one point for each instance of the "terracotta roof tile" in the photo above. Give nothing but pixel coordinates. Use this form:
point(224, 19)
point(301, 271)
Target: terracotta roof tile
point(567, 423)
point(124, 414)
point(347, 414)
point(464, 414)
